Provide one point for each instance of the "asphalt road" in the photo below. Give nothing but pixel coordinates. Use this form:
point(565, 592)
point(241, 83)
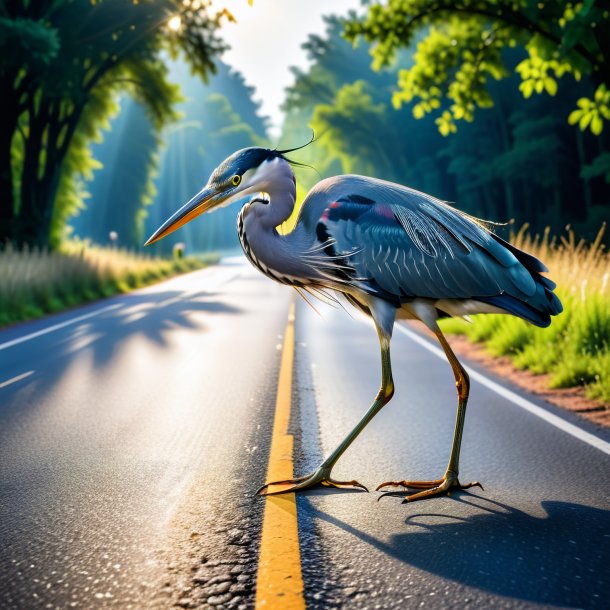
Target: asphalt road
point(134, 431)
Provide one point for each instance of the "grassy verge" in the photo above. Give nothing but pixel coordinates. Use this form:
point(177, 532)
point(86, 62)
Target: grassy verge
point(575, 349)
point(37, 282)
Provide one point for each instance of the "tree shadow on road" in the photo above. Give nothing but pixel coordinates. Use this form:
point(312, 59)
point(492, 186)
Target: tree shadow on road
point(153, 316)
point(561, 558)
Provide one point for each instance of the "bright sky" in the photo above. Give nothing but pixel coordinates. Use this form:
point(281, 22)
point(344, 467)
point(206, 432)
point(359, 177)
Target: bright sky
point(266, 41)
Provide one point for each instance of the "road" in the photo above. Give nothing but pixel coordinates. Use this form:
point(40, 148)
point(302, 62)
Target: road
point(134, 431)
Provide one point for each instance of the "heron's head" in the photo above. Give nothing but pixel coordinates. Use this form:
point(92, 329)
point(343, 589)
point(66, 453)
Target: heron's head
point(247, 171)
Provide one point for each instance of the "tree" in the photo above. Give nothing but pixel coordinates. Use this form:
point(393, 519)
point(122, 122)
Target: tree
point(61, 65)
point(520, 159)
point(462, 50)
point(359, 132)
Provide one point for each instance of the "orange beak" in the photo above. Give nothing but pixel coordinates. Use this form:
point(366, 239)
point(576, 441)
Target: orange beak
point(203, 201)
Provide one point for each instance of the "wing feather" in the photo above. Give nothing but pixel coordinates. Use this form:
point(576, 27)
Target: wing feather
point(409, 244)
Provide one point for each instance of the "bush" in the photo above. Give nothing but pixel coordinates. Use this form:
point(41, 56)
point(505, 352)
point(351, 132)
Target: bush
point(34, 282)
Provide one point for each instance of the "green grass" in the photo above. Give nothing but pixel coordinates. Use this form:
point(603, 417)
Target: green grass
point(36, 282)
point(575, 349)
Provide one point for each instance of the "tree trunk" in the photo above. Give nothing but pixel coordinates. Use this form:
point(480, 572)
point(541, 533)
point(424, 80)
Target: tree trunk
point(507, 185)
point(37, 201)
point(39, 185)
point(586, 182)
point(8, 126)
point(7, 204)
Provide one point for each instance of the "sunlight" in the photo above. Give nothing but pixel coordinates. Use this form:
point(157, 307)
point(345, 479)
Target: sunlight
point(174, 23)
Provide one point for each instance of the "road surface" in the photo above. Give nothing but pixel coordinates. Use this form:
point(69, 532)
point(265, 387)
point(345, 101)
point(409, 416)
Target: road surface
point(134, 431)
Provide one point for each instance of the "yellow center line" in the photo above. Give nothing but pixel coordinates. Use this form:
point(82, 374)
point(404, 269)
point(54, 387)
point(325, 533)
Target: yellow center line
point(279, 582)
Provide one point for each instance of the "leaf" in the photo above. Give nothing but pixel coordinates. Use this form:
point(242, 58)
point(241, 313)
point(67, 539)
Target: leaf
point(585, 119)
point(539, 86)
point(597, 124)
point(550, 85)
point(527, 87)
point(587, 5)
point(575, 32)
point(574, 117)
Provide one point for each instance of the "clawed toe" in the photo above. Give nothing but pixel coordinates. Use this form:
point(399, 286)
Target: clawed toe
point(316, 479)
point(428, 489)
point(410, 484)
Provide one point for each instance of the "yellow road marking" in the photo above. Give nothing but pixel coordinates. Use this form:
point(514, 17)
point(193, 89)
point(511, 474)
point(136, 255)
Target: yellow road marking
point(279, 582)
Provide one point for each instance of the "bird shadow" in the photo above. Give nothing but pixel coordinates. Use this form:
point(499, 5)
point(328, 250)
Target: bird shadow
point(559, 558)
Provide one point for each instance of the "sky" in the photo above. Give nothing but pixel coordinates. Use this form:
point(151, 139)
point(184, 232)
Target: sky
point(266, 41)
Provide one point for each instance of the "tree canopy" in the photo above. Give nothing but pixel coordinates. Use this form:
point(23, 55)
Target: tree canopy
point(61, 65)
point(519, 159)
point(460, 48)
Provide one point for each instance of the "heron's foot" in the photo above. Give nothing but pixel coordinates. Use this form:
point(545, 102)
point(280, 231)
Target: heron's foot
point(428, 489)
point(320, 478)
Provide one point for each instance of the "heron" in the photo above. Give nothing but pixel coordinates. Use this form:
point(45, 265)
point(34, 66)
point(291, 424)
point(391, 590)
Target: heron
point(392, 252)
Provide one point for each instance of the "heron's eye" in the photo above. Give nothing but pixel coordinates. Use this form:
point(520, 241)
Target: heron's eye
point(235, 180)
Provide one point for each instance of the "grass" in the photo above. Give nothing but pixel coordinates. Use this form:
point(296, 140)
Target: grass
point(36, 282)
point(575, 349)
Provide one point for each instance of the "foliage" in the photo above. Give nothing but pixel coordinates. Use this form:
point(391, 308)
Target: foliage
point(519, 159)
point(352, 113)
point(575, 349)
point(600, 166)
point(79, 163)
point(591, 113)
point(35, 281)
point(462, 51)
point(79, 55)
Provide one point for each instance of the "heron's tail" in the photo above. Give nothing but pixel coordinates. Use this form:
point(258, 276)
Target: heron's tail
point(537, 308)
point(538, 314)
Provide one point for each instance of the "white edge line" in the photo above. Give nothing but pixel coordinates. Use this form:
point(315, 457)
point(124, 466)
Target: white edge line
point(552, 419)
point(55, 327)
point(15, 379)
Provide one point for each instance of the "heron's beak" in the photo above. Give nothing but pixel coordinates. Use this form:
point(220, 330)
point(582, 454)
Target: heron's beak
point(203, 201)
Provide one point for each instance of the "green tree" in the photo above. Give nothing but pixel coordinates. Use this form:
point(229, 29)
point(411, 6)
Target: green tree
point(359, 131)
point(462, 50)
point(61, 65)
point(520, 159)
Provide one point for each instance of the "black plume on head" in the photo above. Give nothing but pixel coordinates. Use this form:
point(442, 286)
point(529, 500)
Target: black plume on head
point(281, 153)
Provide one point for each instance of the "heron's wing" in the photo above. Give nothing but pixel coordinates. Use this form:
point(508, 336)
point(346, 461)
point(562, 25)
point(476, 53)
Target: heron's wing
point(403, 244)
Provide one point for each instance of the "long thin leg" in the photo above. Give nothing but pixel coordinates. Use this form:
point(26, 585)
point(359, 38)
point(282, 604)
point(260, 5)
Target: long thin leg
point(450, 478)
point(321, 476)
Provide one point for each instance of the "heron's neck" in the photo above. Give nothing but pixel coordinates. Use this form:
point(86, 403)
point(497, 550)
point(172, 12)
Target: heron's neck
point(278, 256)
point(278, 181)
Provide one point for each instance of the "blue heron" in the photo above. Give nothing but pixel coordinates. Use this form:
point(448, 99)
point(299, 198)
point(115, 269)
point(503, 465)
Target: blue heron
point(392, 252)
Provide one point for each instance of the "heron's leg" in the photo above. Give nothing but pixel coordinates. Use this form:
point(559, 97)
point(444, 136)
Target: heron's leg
point(321, 476)
point(450, 478)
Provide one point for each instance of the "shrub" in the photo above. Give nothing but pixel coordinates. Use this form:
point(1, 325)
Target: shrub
point(34, 282)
